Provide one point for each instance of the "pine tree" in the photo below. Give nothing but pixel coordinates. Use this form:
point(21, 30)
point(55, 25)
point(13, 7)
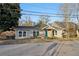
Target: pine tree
point(9, 15)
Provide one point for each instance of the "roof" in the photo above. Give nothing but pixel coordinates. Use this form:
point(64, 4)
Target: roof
point(48, 27)
point(62, 25)
point(59, 25)
point(27, 27)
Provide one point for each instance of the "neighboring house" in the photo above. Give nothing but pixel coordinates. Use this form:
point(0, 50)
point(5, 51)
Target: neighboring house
point(63, 30)
point(48, 31)
point(22, 32)
point(78, 33)
point(58, 29)
point(77, 30)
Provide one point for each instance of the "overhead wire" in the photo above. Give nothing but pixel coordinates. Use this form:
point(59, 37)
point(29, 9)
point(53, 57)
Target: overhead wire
point(36, 13)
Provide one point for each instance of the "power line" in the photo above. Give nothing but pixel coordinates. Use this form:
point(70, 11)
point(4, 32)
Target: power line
point(41, 13)
point(34, 11)
point(27, 11)
point(45, 15)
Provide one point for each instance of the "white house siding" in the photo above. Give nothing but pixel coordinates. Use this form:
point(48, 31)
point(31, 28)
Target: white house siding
point(59, 33)
point(16, 34)
point(29, 34)
point(77, 33)
point(42, 33)
point(50, 34)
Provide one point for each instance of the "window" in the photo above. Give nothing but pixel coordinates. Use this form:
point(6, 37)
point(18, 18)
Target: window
point(24, 33)
point(78, 30)
point(55, 32)
point(37, 33)
point(20, 33)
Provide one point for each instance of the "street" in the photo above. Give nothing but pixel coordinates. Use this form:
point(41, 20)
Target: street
point(55, 48)
point(68, 48)
point(29, 49)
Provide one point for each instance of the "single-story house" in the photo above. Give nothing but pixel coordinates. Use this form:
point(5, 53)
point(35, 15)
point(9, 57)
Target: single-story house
point(48, 31)
point(77, 30)
point(59, 29)
point(22, 32)
point(65, 29)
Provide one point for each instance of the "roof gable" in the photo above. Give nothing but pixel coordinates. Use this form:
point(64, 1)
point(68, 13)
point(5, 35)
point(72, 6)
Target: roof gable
point(47, 27)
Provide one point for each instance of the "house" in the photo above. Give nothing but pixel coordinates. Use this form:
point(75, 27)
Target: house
point(48, 31)
point(58, 29)
point(77, 30)
point(22, 32)
point(65, 29)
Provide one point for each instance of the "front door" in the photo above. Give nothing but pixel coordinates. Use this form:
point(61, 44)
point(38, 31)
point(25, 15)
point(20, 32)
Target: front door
point(34, 34)
point(46, 34)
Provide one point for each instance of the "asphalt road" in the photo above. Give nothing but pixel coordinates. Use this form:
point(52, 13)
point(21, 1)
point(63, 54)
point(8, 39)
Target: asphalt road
point(58, 48)
point(68, 48)
point(29, 49)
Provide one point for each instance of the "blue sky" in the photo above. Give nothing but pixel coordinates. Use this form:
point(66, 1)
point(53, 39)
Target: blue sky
point(52, 8)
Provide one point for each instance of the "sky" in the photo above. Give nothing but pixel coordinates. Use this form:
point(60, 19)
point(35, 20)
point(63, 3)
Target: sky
point(44, 8)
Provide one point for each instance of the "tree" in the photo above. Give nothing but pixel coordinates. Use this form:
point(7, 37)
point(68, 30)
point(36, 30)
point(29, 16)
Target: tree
point(68, 13)
point(28, 21)
point(43, 21)
point(71, 10)
point(21, 23)
point(9, 15)
point(76, 11)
